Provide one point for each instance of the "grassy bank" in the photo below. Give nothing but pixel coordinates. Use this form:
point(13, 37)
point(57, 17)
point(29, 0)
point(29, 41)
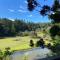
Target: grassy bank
point(18, 43)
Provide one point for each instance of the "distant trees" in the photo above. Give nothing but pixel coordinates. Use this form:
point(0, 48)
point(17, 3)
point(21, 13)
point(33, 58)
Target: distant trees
point(5, 27)
point(13, 28)
point(20, 25)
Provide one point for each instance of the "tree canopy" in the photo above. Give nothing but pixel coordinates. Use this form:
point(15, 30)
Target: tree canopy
point(53, 13)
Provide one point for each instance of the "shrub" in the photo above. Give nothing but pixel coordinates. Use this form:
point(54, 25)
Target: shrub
point(19, 34)
point(33, 34)
point(25, 33)
point(49, 45)
point(1, 55)
point(56, 48)
point(54, 31)
point(40, 43)
point(31, 43)
point(7, 51)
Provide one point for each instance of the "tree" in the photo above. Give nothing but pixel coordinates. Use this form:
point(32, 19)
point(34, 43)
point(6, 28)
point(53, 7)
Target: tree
point(54, 31)
point(53, 12)
point(1, 30)
point(40, 43)
point(31, 43)
point(13, 28)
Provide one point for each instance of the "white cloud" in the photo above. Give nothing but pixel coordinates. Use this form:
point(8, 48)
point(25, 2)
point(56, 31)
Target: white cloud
point(53, 13)
point(30, 15)
point(22, 11)
point(11, 19)
point(22, 7)
point(26, 2)
point(11, 10)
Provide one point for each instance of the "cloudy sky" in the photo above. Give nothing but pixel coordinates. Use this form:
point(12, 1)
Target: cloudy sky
point(18, 9)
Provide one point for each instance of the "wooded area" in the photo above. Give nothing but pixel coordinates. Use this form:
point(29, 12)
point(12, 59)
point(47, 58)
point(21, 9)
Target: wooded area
point(12, 28)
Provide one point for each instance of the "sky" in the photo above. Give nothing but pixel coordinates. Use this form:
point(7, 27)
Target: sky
point(17, 9)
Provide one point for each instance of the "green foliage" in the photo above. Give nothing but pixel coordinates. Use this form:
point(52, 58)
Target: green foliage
point(55, 17)
point(40, 43)
point(1, 55)
point(5, 27)
point(56, 48)
point(44, 10)
point(26, 33)
point(16, 27)
point(31, 43)
point(53, 12)
point(34, 34)
point(56, 5)
point(54, 30)
point(32, 4)
point(7, 52)
point(5, 55)
point(49, 45)
point(19, 34)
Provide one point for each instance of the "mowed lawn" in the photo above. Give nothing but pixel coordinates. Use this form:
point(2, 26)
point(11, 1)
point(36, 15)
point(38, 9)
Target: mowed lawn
point(17, 43)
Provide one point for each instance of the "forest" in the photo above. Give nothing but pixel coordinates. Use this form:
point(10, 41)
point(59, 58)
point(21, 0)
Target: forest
point(12, 28)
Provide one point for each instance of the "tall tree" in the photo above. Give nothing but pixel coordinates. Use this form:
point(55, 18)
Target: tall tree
point(53, 13)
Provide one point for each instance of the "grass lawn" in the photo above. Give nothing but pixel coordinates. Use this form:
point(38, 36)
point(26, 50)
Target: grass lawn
point(15, 43)
point(18, 43)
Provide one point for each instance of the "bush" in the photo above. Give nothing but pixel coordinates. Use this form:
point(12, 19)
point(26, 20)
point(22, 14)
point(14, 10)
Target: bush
point(49, 45)
point(1, 55)
point(56, 48)
point(25, 33)
point(33, 34)
point(40, 43)
point(54, 31)
point(19, 34)
point(31, 43)
point(7, 51)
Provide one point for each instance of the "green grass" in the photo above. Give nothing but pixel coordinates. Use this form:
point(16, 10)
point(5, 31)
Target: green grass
point(18, 43)
point(15, 43)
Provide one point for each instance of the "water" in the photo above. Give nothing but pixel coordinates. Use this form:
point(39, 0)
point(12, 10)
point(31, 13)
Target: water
point(32, 54)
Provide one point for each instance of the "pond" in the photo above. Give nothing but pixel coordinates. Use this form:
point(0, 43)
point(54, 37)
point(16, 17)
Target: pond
point(31, 54)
